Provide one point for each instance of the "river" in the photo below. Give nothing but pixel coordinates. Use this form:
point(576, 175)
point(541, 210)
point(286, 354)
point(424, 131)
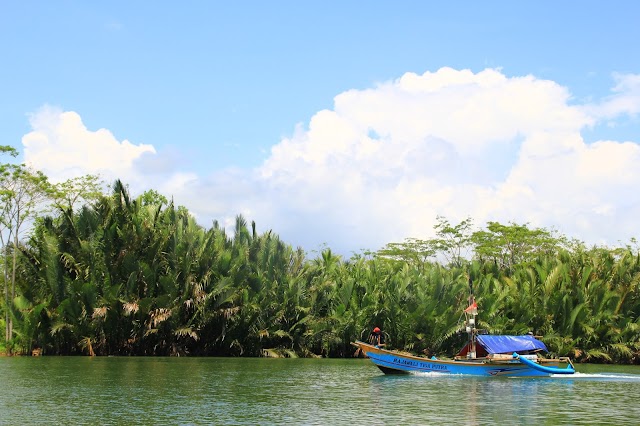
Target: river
point(251, 391)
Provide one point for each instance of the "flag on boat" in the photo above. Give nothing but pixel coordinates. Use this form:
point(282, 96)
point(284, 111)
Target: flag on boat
point(473, 308)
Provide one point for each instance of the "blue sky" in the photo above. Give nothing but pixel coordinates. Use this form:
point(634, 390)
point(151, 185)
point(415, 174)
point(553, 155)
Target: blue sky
point(244, 107)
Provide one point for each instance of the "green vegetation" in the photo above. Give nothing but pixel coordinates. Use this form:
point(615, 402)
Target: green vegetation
point(108, 274)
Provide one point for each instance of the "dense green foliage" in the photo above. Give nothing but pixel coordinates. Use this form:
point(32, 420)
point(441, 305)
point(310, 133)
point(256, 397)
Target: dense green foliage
point(123, 276)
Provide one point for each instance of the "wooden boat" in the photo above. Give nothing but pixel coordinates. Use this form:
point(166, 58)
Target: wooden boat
point(493, 364)
point(484, 355)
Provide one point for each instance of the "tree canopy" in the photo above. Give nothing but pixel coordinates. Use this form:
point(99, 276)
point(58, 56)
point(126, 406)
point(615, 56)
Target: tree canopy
point(111, 274)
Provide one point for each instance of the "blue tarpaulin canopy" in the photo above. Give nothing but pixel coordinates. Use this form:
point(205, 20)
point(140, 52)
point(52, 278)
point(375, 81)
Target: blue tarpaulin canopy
point(509, 344)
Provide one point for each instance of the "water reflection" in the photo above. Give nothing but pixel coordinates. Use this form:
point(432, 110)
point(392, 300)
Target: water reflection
point(442, 399)
point(267, 391)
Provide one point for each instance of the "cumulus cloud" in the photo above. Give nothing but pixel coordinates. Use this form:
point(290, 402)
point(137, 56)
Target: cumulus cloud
point(62, 147)
point(456, 143)
point(384, 162)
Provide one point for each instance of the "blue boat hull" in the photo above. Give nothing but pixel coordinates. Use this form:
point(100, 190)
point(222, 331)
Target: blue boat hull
point(392, 362)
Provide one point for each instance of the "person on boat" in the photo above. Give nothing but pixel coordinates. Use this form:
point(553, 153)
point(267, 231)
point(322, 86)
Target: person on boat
point(376, 337)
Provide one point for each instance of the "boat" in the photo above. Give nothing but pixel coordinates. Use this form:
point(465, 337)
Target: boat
point(483, 355)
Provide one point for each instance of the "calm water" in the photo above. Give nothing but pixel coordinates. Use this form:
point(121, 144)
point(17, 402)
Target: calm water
point(81, 390)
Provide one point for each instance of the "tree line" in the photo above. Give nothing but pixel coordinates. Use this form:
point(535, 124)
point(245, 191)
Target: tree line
point(110, 274)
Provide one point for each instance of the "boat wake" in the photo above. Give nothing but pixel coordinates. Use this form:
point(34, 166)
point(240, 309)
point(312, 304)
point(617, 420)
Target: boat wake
point(599, 376)
point(431, 374)
point(576, 376)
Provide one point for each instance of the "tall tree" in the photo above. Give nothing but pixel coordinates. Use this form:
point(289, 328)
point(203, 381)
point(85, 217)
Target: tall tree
point(453, 241)
point(22, 192)
point(77, 191)
point(509, 245)
point(5, 171)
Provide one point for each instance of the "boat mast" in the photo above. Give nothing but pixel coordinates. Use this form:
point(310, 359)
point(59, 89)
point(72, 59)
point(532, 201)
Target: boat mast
point(471, 311)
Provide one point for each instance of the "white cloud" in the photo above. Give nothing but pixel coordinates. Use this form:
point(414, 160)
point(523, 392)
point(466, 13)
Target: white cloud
point(62, 147)
point(624, 100)
point(456, 143)
point(384, 162)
